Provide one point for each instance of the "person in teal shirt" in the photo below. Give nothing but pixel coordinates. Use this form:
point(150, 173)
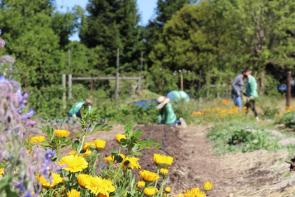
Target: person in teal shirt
point(177, 96)
point(251, 93)
point(75, 111)
point(166, 112)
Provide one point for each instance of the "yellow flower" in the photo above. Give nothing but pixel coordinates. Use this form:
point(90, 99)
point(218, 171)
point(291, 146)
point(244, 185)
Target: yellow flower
point(208, 186)
point(148, 175)
point(163, 160)
point(150, 191)
point(112, 158)
point(88, 145)
point(37, 139)
point(61, 133)
point(54, 180)
point(87, 153)
point(98, 185)
point(194, 192)
point(73, 163)
point(167, 189)
point(131, 162)
point(73, 193)
point(140, 184)
point(83, 179)
point(100, 144)
point(179, 195)
point(164, 171)
point(1, 172)
point(120, 137)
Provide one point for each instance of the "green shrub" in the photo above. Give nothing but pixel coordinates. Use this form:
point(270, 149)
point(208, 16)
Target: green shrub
point(234, 138)
point(288, 119)
point(269, 112)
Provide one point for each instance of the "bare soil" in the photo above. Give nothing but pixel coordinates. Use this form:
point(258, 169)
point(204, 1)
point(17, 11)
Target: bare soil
point(255, 174)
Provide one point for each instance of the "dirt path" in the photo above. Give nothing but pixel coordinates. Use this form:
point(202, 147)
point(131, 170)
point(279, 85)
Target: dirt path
point(255, 174)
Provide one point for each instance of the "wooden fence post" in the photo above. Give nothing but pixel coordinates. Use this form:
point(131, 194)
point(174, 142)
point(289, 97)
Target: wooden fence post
point(288, 94)
point(117, 75)
point(64, 89)
point(70, 96)
point(181, 80)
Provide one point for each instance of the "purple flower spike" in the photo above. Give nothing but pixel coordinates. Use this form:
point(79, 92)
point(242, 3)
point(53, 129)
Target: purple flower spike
point(28, 115)
point(31, 123)
point(50, 154)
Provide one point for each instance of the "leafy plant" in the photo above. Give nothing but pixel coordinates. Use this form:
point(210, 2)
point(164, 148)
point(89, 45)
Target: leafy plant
point(234, 138)
point(288, 119)
point(133, 143)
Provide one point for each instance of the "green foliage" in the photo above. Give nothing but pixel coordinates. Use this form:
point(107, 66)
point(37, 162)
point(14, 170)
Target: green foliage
point(122, 32)
point(215, 39)
point(232, 138)
point(288, 119)
point(134, 142)
point(269, 112)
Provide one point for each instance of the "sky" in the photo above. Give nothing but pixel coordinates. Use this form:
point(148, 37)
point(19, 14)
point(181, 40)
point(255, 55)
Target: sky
point(146, 9)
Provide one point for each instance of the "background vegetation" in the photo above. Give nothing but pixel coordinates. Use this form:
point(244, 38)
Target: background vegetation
point(209, 40)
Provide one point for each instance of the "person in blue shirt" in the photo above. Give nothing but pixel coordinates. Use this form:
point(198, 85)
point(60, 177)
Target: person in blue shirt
point(75, 111)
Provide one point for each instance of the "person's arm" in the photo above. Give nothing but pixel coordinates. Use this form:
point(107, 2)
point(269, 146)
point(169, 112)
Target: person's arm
point(237, 84)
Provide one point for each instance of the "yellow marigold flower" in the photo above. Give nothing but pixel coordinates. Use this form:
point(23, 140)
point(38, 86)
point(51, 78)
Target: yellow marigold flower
point(197, 113)
point(61, 133)
point(87, 153)
point(73, 163)
point(208, 185)
point(37, 139)
point(131, 162)
point(148, 175)
point(100, 144)
point(167, 189)
point(164, 171)
point(150, 191)
point(54, 180)
point(120, 137)
point(111, 158)
point(98, 185)
point(73, 193)
point(83, 179)
point(1, 172)
point(141, 184)
point(163, 160)
point(194, 192)
point(88, 145)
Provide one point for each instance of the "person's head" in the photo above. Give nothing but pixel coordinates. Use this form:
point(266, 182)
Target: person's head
point(247, 72)
point(162, 101)
point(88, 102)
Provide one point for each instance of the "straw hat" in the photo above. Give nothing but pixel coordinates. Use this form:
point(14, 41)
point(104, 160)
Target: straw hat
point(162, 101)
point(88, 102)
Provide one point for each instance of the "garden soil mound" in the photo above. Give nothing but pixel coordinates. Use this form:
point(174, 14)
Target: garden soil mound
point(255, 174)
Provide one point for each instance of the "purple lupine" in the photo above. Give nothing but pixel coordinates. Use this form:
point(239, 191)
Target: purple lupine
point(28, 115)
point(12, 148)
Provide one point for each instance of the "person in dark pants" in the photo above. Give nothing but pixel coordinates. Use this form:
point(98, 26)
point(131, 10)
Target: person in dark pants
point(237, 90)
point(251, 93)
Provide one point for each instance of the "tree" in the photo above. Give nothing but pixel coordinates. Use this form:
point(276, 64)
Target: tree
point(112, 25)
point(215, 39)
